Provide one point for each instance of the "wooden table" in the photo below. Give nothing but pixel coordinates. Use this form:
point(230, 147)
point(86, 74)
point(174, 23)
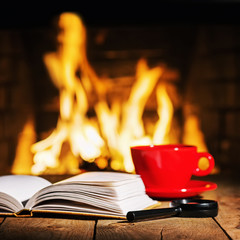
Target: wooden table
point(225, 226)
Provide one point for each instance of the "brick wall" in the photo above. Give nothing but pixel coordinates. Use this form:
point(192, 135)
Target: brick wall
point(214, 85)
point(15, 97)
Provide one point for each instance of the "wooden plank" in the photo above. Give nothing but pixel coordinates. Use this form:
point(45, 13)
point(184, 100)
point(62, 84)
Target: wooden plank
point(171, 228)
point(46, 228)
point(1, 220)
point(228, 196)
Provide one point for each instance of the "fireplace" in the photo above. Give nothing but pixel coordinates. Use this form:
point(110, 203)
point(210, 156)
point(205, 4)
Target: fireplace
point(200, 71)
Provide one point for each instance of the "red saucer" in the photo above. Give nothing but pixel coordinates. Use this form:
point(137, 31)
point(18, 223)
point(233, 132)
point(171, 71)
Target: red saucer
point(193, 188)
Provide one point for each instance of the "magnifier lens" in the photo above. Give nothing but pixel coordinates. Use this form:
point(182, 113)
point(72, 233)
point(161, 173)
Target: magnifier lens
point(196, 207)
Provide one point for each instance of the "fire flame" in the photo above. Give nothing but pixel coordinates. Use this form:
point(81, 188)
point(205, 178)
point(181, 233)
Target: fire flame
point(115, 128)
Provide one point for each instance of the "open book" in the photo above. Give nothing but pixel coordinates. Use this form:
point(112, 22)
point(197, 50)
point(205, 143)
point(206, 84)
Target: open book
point(110, 194)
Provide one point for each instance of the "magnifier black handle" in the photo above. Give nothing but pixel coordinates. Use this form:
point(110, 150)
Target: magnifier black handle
point(152, 213)
point(180, 208)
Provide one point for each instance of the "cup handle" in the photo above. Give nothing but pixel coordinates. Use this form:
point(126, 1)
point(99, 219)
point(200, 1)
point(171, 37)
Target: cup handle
point(200, 172)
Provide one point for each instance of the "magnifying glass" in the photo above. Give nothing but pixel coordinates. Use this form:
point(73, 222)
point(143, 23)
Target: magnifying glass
point(201, 208)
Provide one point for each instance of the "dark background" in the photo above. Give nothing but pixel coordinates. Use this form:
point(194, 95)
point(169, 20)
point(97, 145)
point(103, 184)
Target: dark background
point(120, 13)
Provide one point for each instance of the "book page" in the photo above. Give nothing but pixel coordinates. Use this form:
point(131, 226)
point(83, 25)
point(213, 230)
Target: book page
point(9, 203)
point(102, 178)
point(97, 182)
point(22, 187)
point(100, 192)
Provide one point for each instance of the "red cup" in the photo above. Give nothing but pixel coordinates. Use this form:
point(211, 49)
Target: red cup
point(169, 166)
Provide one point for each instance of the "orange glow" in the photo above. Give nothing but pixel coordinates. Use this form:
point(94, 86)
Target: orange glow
point(165, 113)
point(192, 130)
point(111, 137)
point(120, 135)
point(116, 127)
point(73, 126)
point(23, 159)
